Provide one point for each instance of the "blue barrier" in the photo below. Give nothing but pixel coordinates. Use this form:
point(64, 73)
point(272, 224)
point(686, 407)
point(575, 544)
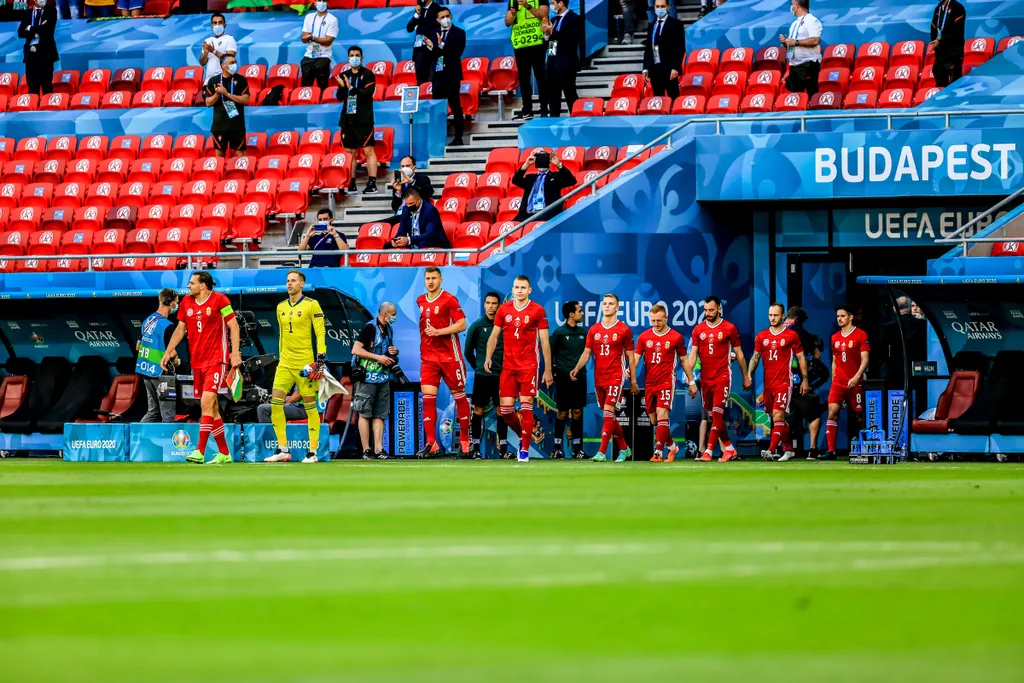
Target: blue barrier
point(36, 444)
point(95, 442)
point(998, 83)
point(429, 127)
point(172, 442)
point(259, 442)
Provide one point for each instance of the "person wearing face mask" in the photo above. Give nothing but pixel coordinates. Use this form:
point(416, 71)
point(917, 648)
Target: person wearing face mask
point(542, 188)
point(804, 49)
point(524, 17)
point(562, 35)
point(36, 29)
point(319, 30)
point(420, 225)
point(228, 94)
point(371, 376)
point(409, 177)
point(424, 25)
point(217, 46)
point(664, 48)
point(355, 92)
point(157, 330)
point(446, 47)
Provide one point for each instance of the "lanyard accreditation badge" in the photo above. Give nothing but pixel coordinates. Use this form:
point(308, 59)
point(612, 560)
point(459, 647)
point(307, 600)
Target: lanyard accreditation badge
point(794, 33)
point(230, 108)
point(352, 103)
point(942, 22)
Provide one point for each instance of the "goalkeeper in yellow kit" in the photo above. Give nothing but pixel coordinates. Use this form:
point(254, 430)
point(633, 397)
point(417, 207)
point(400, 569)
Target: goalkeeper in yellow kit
point(298, 317)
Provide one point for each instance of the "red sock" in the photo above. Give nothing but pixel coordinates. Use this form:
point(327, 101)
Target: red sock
point(664, 437)
point(463, 410)
point(218, 436)
point(787, 439)
point(777, 428)
point(607, 430)
point(831, 427)
point(429, 417)
point(620, 436)
point(205, 427)
point(717, 432)
point(511, 419)
point(527, 426)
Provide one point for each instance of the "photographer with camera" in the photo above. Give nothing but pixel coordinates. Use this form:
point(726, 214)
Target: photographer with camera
point(156, 334)
point(543, 187)
point(406, 178)
point(371, 375)
point(323, 236)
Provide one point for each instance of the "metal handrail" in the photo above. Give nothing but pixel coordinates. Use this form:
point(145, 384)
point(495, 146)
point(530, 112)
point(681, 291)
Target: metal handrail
point(953, 239)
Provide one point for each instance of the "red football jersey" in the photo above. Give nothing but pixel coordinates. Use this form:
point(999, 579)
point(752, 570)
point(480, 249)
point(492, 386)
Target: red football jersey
point(660, 353)
point(714, 344)
point(442, 312)
point(609, 346)
point(777, 354)
point(846, 351)
point(519, 327)
point(206, 324)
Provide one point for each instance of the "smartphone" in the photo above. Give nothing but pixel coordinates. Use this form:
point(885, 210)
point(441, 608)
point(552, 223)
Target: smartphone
point(398, 176)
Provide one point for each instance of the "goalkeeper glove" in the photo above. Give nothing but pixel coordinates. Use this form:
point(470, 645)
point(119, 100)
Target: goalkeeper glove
point(318, 368)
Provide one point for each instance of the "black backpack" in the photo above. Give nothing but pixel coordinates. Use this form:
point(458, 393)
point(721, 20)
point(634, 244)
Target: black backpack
point(274, 97)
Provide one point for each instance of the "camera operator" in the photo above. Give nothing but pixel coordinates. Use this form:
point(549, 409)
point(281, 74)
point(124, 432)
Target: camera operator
point(371, 397)
point(406, 178)
point(156, 333)
point(323, 236)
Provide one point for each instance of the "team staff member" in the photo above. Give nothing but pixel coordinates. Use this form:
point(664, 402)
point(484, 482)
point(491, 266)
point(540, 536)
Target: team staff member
point(355, 92)
point(485, 383)
point(567, 345)
point(36, 29)
point(664, 48)
point(563, 35)
point(446, 47)
point(525, 17)
point(318, 33)
point(947, 41)
point(850, 355)
point(298, 318)
point(157, 330)
point(217, 46)
point(228, 94)
point(804, 44)
point(424, 24)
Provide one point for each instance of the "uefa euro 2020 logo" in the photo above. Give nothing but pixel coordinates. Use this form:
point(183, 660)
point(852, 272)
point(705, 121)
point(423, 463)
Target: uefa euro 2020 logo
point(180, 439)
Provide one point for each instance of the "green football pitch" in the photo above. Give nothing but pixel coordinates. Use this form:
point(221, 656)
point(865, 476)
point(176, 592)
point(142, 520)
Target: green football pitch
point(497, 572)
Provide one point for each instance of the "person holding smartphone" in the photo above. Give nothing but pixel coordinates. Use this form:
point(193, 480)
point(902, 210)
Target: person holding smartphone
point(405, 178)
point(323, 236)
point(543, 187)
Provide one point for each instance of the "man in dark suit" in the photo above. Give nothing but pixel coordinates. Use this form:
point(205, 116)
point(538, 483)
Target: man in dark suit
point(563, 34)
point(37, 28)
point(663, 51)
point(947, 40)
point(542, 188)
point(446, 47)
point(420, 227)
point(424, 24)
point(410, 177)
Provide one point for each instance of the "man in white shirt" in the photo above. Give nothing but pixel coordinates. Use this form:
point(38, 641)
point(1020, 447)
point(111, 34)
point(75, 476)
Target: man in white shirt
point(318, 33)
point(214, 48)
point(804, 45)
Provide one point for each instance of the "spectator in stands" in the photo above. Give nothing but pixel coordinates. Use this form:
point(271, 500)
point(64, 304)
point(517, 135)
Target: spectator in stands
point(217, 46)
point(323, 236)
point(622, 21)
point(318, 33)
point(69, 9)
point(371, 395)
point(525, 17)
point(947, 40)
point(446, 47)
point(420, 225)
point(36, 29)
point(663, 51)
point(355, 92)
point(653, 17)
point(157, 331)
point(408, 177)
point(424, 23)
point(228, 94)
point(804, 44)
point(542, 188)
point(130, 8)
point(98, 9)
point(563, 34)
point(293, 409)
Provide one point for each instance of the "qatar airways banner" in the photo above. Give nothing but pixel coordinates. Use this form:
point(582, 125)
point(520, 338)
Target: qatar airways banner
point(872, 164)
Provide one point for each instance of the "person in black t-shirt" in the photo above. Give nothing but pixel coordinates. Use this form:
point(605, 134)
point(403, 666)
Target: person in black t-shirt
point(355, 92)
point(228, 94)
point(947, 40)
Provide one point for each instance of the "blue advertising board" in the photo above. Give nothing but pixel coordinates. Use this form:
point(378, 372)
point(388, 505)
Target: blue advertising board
point(874, 410)
point(401, 424)
point(95, 442)
point(896, 426)
point(904, 227)
point(172, 442)
point(259, 442)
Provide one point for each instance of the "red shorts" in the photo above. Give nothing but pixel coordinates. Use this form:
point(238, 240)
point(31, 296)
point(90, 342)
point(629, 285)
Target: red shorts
point(854, 398)
point(777, 398)
point(516, 383)
point(209, 380)
point(608, 394)
point(454, 374)
point(715, 396)
point(660, 396)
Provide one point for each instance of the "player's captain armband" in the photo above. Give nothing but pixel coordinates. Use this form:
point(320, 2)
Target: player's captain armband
point(227, 312)
point(318, 315)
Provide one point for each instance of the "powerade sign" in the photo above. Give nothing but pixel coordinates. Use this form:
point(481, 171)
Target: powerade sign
point(855, 165)
point(904, 227)
point(403, 422)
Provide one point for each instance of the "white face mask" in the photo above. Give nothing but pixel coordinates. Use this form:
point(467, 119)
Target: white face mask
point(445, 22)
point(218, 29)
point(407, 170)
point(321, 7)
point(41, 3)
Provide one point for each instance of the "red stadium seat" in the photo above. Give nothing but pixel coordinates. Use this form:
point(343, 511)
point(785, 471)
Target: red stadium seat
point(336, 171)
point(771, 58)
point(87, 219)
point(689, 104)
point(791, 101)
point(867, 78)
point(147, 98)
point(179, 98)
point(85, 101)
point(383, 71)
point(188, 146)
point(160, 263)
point(703, 61)
point(176, 170)
point(31, 266)
point(61, 148)
point(427, 91)
point(293, 196)
point(315, 142)
point(483, 209)
point(8, 84)
point(185, 216)
point(93, 147)
point(503, 160)
point(204, 240)
point(621, 106)
point(902, 76)
point(30, 149)
point(825, 99)
point(730, 83)
point(656, 105)
point(756, 104)
point(306, 95)
point(896, 97)
point(65, 265)
point(504, 75)
point(156, 147)
point(157, 79)
point(373, 236)
point(924, 94)
point(628, 85)
point(95, 81)
point(45, 242)
point(907, 53)
point(51, 171)
point(980, 49)
point(169, 241)
point(166, 193)
point(588, 106)
point(1008, 42)
point(862, 99)
point(599, 158)
point(471, 234)
point(838, 56)
point(572, 158)
point(10, 193)
point(394, 91)
point(494, 185)
point(218, 215)
point(133, 194)
point(76, 243)
point(256, 75)
point(144, 170)
point(188, 78)
point(261, 190)
point(23, 103)
point(737, 59)
point(151, 219)
point(140, 241)
point(250, 222)
point(469, 95)
point(13, 243)
point(101, 195)
point(271, 167)
point(126, 80)
point(835, 80)
point(1013, 248)
point(283, 74)
point(927, 79)
point(460, 185)
point(6, 149)
point(25, 218)
point(958, 396)
point(282, 143)
point(210, 169)
point(874, 54)
point(363, 261)
point(728, 104)
point(125, 147)
point(452, 209)
point(405, 73)
point(37, 195)
point(474, 70)
point(69, 195)
point(508, 209)
point(117, 99)
point(383, 145)
point(395, 259)
point(330, 95)
point(305, 167)
point(55, 102)
point(764, 83)
point(56, 220)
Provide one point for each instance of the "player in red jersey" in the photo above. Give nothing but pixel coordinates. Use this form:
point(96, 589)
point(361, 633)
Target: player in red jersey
point(610, 342)
point(441, 321)
point(778, 345)
point(658, 348)
point(850, 354)
point(206, 317)
point(714, 341)
point(523, 323)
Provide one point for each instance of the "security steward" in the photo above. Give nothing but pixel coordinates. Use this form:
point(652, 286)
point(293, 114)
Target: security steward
point(525, 17)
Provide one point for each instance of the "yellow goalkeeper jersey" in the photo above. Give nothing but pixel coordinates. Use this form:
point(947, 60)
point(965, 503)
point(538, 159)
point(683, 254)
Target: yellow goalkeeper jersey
point(297, 322)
